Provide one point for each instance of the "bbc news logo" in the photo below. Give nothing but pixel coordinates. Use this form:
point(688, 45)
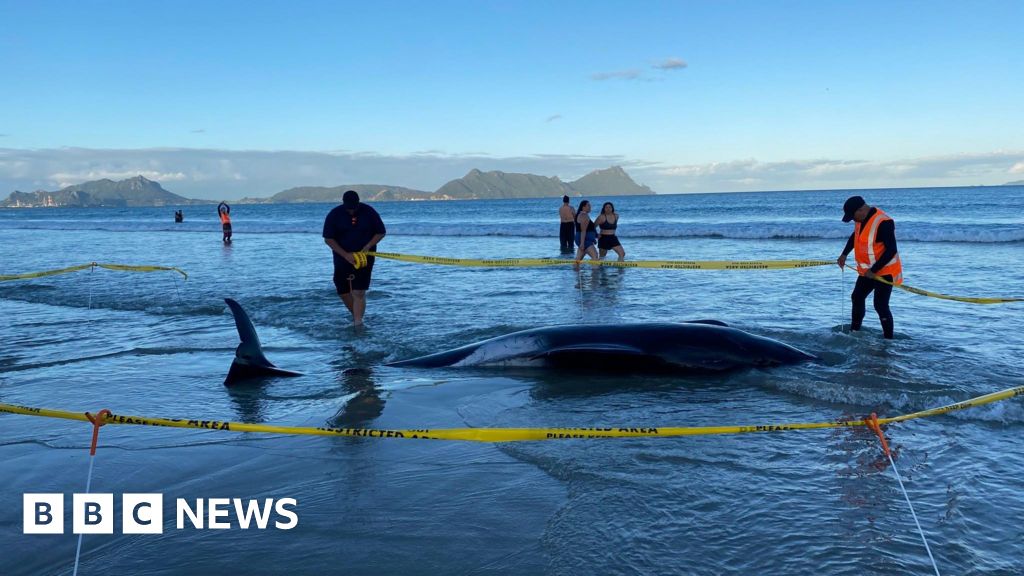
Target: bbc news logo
point(144, 513)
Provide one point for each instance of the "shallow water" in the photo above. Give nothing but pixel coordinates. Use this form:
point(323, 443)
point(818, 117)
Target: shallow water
point(789, 503)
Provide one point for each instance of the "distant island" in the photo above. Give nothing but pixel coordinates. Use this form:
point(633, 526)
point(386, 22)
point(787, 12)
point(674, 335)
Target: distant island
point(1015, 183)
point(137, 191)
point(367, 192)
point(476, 185)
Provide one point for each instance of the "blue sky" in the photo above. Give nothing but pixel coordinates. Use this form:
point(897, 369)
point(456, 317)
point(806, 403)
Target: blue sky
point(688, 96)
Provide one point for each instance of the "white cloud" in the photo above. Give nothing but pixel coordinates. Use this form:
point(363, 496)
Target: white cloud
point(232, 174)
point(62, 179)
point(671, 64)
point(752, 174)
point(631, 74)
point(666, 65)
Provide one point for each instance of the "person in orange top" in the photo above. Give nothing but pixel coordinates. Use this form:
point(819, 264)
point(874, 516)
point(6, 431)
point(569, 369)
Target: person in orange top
point(874, 244)
point(223, 210)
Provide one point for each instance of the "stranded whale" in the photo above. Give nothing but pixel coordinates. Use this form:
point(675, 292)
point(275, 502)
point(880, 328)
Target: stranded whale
point(702, 345)
point(697, 346)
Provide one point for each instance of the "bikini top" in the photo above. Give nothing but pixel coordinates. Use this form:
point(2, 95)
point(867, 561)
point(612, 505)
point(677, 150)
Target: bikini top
point(606, 225)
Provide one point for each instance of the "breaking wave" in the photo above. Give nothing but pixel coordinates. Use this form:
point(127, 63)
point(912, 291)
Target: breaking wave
point(773, 230)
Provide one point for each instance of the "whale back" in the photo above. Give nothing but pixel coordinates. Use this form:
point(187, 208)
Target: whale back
point(705, 345)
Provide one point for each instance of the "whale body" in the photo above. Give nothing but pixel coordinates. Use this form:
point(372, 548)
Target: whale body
point(703, 345)
point(696, 346)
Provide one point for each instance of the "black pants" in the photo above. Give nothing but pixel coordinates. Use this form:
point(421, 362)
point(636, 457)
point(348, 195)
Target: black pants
point(565, 236)
point(882, 292)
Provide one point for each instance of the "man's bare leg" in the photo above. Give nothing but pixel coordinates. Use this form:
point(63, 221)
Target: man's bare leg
point(347, 299)
point(358, 306)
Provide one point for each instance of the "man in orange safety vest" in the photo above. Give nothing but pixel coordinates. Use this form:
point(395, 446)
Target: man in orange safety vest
point(874, 247)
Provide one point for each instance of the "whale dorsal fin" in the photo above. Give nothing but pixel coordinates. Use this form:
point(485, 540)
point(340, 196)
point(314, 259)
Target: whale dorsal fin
point(249, 360)
point(249, 350)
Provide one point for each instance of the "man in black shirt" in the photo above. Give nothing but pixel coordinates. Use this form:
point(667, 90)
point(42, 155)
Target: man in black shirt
point(353, 227)
point(874, 242)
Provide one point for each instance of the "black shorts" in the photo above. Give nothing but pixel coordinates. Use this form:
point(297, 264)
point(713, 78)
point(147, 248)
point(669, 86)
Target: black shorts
point(360, 278)
point(607, 242)
point(227, 228)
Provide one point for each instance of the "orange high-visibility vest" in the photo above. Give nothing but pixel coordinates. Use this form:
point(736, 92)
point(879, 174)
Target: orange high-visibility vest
point(867, 251)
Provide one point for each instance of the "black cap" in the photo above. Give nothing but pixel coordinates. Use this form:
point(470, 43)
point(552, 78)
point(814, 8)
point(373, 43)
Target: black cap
point(350, 200)
point(853, 203)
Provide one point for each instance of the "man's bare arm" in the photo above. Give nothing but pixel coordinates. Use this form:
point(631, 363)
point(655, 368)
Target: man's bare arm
point(339, 251)
point(372, 244)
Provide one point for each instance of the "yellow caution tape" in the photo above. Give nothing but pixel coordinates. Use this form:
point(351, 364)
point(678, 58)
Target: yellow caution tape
point(543, 262)
point(502, 434)
point(27, 275)
point(921, 292)
point(971, 300)
point(361, 261)
point(120, 267)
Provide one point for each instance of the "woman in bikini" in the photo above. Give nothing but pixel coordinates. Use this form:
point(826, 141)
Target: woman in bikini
point(608, 221)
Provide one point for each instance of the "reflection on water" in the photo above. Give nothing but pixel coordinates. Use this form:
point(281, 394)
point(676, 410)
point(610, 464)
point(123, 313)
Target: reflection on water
point(247, 399)
point(598, 291)
point(360, 410)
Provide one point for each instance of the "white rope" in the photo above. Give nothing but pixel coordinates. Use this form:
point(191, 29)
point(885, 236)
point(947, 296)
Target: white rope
point(914, 514)
point(176, 291)
point(88, 485)
point(91, 270)
point(579, 277)
point(842, 300)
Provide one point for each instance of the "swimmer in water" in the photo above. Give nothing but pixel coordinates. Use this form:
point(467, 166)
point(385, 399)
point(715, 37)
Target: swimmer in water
point(224, 211)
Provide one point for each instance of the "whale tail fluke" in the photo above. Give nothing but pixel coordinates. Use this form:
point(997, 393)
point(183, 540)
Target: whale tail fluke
point(249, 361)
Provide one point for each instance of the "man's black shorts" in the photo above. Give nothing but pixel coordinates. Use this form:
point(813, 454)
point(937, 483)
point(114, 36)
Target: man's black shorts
point(360, 280)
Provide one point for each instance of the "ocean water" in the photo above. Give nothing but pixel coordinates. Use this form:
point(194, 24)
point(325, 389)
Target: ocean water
point(785, 503)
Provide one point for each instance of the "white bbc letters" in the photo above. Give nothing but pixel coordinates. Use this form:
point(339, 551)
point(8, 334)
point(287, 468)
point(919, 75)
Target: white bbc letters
point(142, 514)
point(92, 514)
point(43, 514)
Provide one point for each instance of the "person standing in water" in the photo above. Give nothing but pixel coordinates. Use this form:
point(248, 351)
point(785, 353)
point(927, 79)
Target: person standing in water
point(179, 216)
point(565, 231)
point(874, 247)
point(586, 234)
point(224, 211)
point(353, 227)
point(608, 221)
